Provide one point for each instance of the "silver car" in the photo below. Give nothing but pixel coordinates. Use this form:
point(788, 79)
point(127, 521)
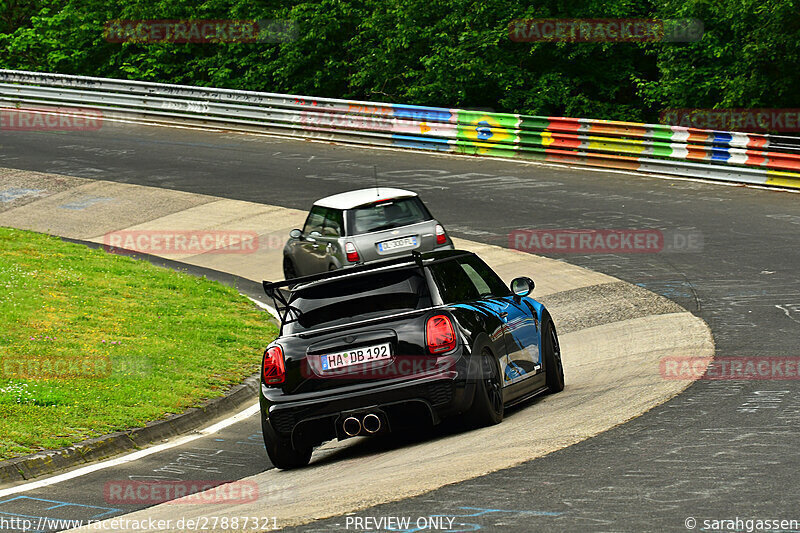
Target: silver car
point(359, 227)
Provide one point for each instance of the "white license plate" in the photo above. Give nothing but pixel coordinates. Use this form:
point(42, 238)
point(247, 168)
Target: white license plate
point(365, 354)
point(403, 242)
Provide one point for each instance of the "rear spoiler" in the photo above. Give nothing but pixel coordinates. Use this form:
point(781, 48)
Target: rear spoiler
point(282, 300)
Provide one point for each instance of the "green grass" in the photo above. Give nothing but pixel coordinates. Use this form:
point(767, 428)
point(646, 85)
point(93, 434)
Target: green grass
point(92, 343)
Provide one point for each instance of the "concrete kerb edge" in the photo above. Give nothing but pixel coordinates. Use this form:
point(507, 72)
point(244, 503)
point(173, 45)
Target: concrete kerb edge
point(40, 463)
point(47, 462)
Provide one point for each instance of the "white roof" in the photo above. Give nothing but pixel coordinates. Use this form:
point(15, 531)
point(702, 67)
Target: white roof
point(351, 199)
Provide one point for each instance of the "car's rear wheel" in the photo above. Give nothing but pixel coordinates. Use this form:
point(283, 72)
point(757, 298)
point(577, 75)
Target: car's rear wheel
point(289, 271)
point(280, 450)
point(554, 370)
point(487, 406)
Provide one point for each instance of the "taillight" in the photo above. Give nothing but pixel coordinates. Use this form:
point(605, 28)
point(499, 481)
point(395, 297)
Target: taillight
point(439, 334)
point(441, 236)
point(274, 371)
point(352, 254)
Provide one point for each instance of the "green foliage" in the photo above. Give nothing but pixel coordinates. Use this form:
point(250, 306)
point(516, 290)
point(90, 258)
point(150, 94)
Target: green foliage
point(452, 53)
point(748, 56)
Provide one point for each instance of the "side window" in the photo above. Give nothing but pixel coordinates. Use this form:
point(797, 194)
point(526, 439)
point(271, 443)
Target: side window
point(315, 220)
point(477, 280)
point(484, 278)
point(454, 284)
point(334, 223)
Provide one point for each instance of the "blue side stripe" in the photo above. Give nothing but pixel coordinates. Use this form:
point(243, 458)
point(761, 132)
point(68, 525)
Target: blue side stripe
point(425, 143)
point(722, 138)
point(422, 113)
point(720, 154)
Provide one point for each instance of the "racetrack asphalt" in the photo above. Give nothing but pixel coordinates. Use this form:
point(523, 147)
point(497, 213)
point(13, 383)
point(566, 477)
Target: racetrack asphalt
point(721, 449)
point(588, 308)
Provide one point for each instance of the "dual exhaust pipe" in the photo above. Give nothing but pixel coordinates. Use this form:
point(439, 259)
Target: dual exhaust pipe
point(352, 426)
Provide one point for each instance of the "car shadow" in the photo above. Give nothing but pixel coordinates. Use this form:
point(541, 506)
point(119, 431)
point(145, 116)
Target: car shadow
point(367, 446)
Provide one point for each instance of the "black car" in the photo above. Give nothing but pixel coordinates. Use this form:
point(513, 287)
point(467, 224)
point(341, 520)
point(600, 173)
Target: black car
point(397, 343)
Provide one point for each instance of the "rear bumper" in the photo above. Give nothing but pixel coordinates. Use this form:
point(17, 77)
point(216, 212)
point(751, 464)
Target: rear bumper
point(341, 261)
point(313, 420)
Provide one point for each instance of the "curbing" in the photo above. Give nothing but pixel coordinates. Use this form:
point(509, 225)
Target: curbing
point(47, 462)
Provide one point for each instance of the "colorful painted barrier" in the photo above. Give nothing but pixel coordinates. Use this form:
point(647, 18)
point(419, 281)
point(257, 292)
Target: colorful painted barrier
point(658, 148)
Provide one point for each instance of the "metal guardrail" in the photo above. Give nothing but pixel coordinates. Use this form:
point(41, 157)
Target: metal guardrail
point(664, 149)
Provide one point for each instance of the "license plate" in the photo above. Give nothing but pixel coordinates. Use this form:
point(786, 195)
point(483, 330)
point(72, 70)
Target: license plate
point(403, 242)
point(365, 354)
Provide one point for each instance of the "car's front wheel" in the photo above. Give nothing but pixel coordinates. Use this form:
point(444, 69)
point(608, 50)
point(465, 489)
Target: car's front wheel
point(554, 370)
point(487, 406)
point(289, 271)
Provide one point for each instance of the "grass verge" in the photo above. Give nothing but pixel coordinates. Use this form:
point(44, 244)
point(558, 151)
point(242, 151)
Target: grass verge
point(92, 343)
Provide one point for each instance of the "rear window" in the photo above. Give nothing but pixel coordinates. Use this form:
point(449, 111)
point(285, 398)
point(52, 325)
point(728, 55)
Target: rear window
point(360, 298)
point(386, 215)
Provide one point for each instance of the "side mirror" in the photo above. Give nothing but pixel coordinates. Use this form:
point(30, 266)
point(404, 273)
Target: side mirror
point(295, 234)
point(522, 286)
